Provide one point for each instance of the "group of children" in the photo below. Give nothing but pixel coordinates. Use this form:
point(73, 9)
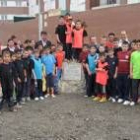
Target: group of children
point(113, 73)
point(29, 73)
point(33, 70)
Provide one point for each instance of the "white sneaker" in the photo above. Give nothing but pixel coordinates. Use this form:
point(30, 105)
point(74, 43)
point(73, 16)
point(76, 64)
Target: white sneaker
point(23, 100)
point(120, 100)
point(113, 100)
point(41, 98)
point(36, 98)
point(132, 103)
point(110, 99)
point(85, 96)
point(18, 106)
point(28, 99)
point(53, 96)
point(126, 102)
point(47, 95)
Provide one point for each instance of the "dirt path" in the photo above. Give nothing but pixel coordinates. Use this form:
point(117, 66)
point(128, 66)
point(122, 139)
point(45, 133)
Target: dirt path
point(71, 117)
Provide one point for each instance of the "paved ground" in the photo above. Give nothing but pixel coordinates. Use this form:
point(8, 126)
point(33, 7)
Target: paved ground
point(71, 117)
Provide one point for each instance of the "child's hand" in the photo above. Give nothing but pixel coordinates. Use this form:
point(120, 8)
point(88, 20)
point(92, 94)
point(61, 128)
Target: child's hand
point(89, 73)
point(115, 76)
point(35, 82)
point(131, 75)
point(19, 80)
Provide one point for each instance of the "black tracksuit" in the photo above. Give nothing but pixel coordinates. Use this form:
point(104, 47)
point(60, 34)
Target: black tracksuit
point(19, 85)
point(111, 86)
point(7, 76)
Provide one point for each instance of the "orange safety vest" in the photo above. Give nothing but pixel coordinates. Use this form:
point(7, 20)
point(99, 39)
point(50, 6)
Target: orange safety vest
point(78, 38)
point(69, 36)
point(102, 76)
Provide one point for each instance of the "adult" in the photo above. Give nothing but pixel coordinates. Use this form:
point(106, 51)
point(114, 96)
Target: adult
point(44, 40)
point(123, 38)
point(10, 46)
point(60, 32)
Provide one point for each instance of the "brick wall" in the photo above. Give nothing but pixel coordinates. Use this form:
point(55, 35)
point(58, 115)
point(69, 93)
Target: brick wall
point(100, 22)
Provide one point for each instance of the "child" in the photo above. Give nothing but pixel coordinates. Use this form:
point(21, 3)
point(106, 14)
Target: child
point(69, 28)
point(102, 49)
point(37, 68)
point(1, 61)
point(101, 79)
point(27, 74)
point(78, 39)
point(135, 73)
point(123, 81)
point(60, 56)
point(82, 59)
point(20, 71)
point(53, 49)
point(7, 76)
point(49, 61)
point(112, 72)
point(91, 62)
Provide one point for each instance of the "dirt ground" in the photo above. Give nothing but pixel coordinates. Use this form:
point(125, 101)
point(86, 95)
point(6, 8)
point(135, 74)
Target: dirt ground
point(71, 117)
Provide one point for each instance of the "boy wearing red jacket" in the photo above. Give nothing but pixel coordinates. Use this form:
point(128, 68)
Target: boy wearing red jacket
point(123, 80)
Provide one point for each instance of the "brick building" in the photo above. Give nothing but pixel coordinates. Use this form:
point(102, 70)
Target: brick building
point(101, 16)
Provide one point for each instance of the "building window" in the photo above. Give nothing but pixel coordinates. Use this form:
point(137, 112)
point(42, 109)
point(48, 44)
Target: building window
point(62, 4)
point(133, 1)
point(78, 5)
point(11, 4)
point(49, 5)
point(111, 1)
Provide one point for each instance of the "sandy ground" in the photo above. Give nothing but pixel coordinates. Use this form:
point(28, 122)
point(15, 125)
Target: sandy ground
point(71, 117)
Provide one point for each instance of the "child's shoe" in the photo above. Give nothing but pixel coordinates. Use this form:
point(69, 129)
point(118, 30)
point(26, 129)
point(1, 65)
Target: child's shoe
point(36, 98)
point(132, 103)
point(113, 100)
point(126, 103)
point(41, 98)
point(103, 99)
point(47, 95)
point(53, 96)
point(85, 96)
point(120, 100)
point(18, 106)
point(28, 99)
point(96, 98)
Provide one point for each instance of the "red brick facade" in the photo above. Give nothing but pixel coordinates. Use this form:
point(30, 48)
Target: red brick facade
point(100, 22)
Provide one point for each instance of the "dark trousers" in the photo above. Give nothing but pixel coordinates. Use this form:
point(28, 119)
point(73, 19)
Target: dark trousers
point(68, 51)
point(135, 87)
point(86, 77)
point(26, 88)
point(90, 85)
point(19, 91)
point(123, 86)
point(38, 88)
point(76, 53)
point(111, 87)
point(100, 89)
point(7, 90)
